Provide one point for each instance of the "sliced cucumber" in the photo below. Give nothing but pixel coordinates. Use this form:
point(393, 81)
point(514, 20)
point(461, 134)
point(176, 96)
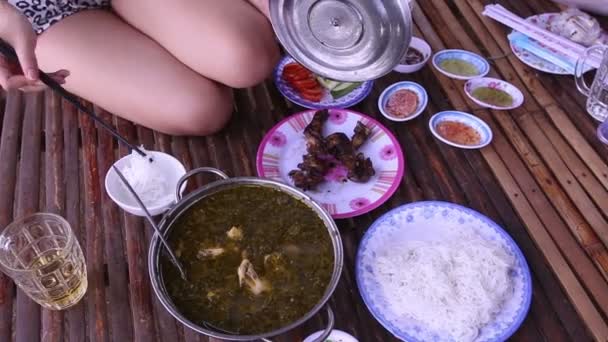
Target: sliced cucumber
point(338, 93)
point(346, 85)
point(327, 83)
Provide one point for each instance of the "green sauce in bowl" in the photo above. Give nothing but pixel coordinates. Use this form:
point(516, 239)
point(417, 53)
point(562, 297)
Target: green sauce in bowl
point(459, 67)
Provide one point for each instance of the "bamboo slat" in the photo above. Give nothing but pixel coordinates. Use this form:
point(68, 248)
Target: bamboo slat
point(139, 286)
point(574, 163)
point(9, 147)
point(121, 324)
point(52, 321)
point(26, 204)
point(75, 329)
point(569, 103)
point(178, 147)
point(200, 158)
point(165, 324)
point(97, 314)
point(561, 197)
point(576, 292)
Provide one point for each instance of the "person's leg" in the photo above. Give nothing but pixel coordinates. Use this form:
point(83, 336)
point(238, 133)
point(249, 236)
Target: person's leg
point(228, 41)
point(127, 73)
point(262, 6)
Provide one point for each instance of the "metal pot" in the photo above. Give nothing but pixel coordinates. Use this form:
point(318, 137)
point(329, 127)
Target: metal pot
point(185, 203)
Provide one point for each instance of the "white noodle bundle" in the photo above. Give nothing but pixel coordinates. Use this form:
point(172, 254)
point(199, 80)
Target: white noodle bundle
point(455, 287)
point(147, 179)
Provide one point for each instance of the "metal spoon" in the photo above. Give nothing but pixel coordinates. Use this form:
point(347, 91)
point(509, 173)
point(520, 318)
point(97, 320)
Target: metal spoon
point(176, 262)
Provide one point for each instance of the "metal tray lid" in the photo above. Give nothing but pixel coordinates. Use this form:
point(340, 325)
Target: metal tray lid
point(345, 40)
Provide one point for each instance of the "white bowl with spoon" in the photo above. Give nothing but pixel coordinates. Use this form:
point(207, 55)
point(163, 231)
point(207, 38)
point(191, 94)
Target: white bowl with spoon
point(155, 182)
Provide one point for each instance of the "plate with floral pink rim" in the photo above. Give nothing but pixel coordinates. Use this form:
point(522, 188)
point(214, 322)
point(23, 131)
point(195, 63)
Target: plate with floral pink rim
point(282, 149)
point(357, 95)
point(546, 21)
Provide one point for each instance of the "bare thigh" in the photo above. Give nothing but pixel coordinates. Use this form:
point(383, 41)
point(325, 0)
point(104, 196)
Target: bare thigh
point(127, 73)
point(229, 41)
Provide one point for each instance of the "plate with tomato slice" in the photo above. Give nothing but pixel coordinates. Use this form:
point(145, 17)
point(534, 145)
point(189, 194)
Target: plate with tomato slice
point(308, 90)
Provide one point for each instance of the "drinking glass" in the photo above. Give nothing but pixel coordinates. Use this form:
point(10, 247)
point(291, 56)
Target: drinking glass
point(41, 254)
point(597, 94)
point(602, 132)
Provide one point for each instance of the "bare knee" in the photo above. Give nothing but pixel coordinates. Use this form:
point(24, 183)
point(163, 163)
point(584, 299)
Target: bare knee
point(252, 60)
point(197, 114)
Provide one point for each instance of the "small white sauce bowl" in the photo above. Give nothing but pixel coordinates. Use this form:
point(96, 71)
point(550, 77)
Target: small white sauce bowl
point(336, 335)
point(426, 51)
point(482, 65)
point(476, 123)
point(516, 94)
point(171, 168)
point(423, 99)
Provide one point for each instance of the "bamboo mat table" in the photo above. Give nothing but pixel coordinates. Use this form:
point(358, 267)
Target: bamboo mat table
point(544, 179)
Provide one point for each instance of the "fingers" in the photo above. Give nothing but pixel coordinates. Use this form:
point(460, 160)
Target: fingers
point(32, 88)
point(27, 85)
point(25, 49)
point(11, 80)
point(17, 31)
point(8, 80)
point(17, 82)
point(5, 73)
point(60, 76)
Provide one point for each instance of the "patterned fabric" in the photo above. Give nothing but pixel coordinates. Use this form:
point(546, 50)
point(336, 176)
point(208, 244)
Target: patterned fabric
point(44, 13)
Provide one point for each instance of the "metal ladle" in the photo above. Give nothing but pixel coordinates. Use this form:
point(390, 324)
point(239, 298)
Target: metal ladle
point(174, 260)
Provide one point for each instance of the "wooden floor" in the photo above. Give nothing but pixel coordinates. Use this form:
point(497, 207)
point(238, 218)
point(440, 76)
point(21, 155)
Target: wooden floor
point(544, 179)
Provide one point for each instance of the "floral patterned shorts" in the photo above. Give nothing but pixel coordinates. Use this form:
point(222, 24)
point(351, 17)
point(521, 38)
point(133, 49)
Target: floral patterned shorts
point(44, 13)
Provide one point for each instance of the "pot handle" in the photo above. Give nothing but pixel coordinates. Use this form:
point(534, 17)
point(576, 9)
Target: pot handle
point(331, 321)
point(180, 183)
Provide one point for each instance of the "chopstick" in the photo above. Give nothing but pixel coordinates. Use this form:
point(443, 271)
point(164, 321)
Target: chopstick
point(555, 41)
point(10, 53)
point(143, 207)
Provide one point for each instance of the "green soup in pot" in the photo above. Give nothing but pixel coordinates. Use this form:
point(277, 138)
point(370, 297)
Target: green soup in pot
point(257, 259)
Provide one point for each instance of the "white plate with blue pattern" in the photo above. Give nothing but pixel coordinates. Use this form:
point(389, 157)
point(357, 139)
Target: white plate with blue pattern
point(432, 221)
point(480, 63)
point(327, 102)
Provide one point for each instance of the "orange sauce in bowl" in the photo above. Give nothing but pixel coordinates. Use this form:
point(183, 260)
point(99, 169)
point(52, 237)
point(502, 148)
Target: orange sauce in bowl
point(458, 133)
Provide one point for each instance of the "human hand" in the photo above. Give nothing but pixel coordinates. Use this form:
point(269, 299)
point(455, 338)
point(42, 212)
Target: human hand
point(17, 31)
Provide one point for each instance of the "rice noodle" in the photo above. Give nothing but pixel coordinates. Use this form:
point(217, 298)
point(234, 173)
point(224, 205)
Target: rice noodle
point(147, 180)
point(454, 287)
